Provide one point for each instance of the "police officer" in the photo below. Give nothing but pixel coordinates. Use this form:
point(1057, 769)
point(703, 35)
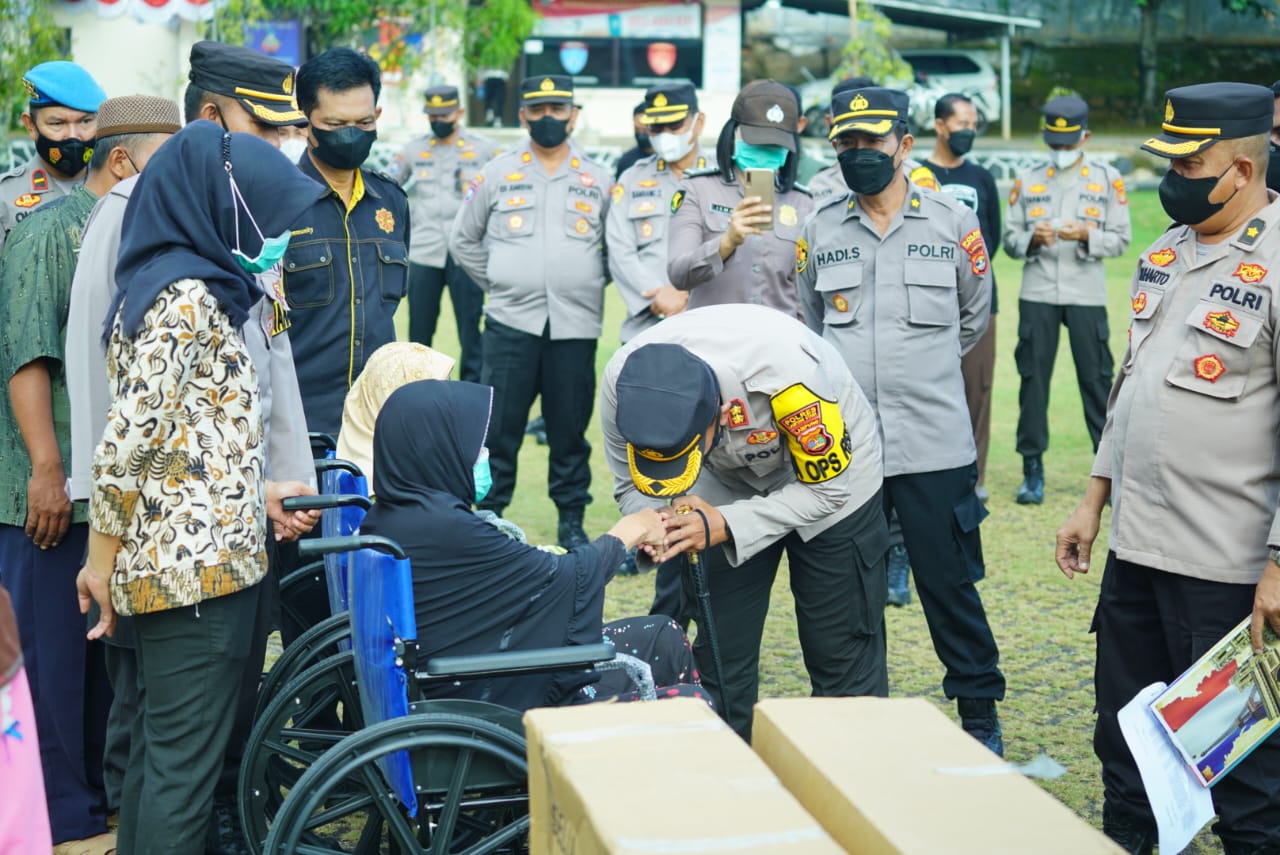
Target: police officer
point(751, 422)
point(896, 278)
point(641, 206)
point(1273, 164)
point(1065, 216)
point(531, 233)
point(441, 165)
point(61, 120)
point(726, 247)
point(242, 90)
point(1190, 456)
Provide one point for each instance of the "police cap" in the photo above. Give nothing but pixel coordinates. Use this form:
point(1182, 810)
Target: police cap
point(1196, 117)
point(138, 114)
point(1065, 119)
point(262, 85)
point(668, 103)
point(549, 89)
point(767, 113)
point(440, 100)
point(870, 110)
point(62, 83)
point(667, 399)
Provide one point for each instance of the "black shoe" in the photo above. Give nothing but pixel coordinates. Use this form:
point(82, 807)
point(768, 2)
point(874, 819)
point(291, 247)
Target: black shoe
point(979, 719)
point(1032, 490)
point(569, 533)
point(1134, 834)
point(899, 576)
point(537, 429)
point(225, 836)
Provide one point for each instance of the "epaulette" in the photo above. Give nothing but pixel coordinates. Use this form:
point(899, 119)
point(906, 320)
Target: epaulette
point(15, 172)
point(376, 173)
point(831, 199)
point(803, 188)
point(698, 173)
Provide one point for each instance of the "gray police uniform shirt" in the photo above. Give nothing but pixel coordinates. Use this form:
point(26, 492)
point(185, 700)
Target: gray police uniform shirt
point(901, 309)
point(535, 242)
point(1068, 273)
point(800, 452)
point(1192, 438)
point(636, 233)
point(92, 291)
point(440, 175)
point(25, 188)
point(760, 271)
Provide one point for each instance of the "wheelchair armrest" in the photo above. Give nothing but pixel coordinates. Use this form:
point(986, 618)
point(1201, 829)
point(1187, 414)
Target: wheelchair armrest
point(326, 545)
point(327, 501)
point(327, 463)
point(322, 441)
point(516, 662)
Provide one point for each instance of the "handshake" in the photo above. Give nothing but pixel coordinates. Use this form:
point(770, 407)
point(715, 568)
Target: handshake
point(688, 525)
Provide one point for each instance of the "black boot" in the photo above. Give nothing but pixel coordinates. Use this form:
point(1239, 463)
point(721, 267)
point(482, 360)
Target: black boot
point(1032, 490)
point(537, 429)
point(979, 719)
point(569, 532)
point(1135, 834)
point(899, 576)
point(225, 836)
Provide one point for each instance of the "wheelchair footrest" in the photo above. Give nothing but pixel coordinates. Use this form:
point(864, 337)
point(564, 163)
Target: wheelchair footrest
point(516, 662)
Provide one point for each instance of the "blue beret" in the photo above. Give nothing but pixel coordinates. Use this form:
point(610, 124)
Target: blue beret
point(64, 83)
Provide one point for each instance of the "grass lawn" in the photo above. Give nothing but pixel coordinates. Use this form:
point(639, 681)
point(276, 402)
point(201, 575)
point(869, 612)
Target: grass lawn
point(1040, 619)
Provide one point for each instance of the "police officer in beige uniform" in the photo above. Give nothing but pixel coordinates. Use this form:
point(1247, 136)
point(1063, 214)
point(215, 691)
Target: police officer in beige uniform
point(896, 277)
point(1190, 455)
point(441, 166)
point(722, 247)
point(531, 233)
point(752, 421)
point(61, 121)
point(641, 206)
point(1065, 217)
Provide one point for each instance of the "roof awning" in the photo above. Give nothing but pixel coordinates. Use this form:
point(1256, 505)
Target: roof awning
point(147, 11)
point(952, 19)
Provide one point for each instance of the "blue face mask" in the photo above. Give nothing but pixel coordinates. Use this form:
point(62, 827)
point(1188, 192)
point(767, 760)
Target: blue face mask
point(273, 249)
point(748, 156)
point(483, 477)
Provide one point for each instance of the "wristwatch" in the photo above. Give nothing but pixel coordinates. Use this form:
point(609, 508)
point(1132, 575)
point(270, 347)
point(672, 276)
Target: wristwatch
point(1274, 555)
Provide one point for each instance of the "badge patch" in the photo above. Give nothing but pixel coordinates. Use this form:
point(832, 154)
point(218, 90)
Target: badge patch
point(584, 207)
point(646, 208)
point(1162, 257)
point(977, 250)
point(1016, 191)
point(1250, 273)
point(574, 163)
point(1223, 323)
point(39, 180)
point(514, 176)
point(1139, 302)
point(1037, 188)
point(425, 155)
point(1091, 211)
point(27, 200)
point(1037, 211)
point(471, 191)
point(514, 201)
point(514, 222)
point(1093, 188)
point(586, 180)
point(646, 230)
point(468, 155)
point(811, 424)
point(1118, 185)
point(1209, 367)
point(841, 304)
point(615, 193)
point(802, 254)
point(385, 220)
point(648, 182)
point(762, 437)
point(526, 157)
point(738, 416)
point(922, 176)
point(787, 215)
point(676, 199)
point(582, 226)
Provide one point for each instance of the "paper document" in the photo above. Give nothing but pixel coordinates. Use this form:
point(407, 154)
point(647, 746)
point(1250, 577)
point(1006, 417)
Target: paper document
point(1182, 806)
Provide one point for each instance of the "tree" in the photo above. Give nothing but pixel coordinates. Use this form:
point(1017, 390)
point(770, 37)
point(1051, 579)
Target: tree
point(28, 37)
point(1148, 45)
point(868, 53)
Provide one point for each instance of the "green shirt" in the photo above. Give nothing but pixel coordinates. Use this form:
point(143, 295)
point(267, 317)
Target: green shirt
point(36, 268)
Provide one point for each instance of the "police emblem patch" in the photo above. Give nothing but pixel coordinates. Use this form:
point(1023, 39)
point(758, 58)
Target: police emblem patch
point(646, 230)
point(586, 180)
point(787, 215)
point(1162, 257)
point(1223, 323)
point(1139, 302)
point(615, 193)
point(515, 221)
point(841, 304)
point(1250, 273)
point(775, 114)
point(1016, 191)
point(738, 416)
point(385, 220)
point(802, 254)
point(582, 226)
point(27, 200)
point(1209, 367)
point(973, 245)
point(676, 199)
point(762, 437)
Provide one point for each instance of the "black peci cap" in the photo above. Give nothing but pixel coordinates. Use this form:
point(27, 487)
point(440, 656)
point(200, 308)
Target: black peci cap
point(552, 89)
point(669, 103)
point(1196, 117)
point(867, 110)
point(1065, 119)
point(262, 85)
point(440, 100)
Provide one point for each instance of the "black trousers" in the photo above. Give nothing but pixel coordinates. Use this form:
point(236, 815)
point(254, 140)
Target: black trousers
point(839, 584)
point(519, 366)
point(190, 663)
point(939, 515)
point(1089, 335)
point(1150, 627)
point(426, 285)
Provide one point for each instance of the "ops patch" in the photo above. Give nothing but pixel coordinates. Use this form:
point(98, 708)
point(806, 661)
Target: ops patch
point(815, 431)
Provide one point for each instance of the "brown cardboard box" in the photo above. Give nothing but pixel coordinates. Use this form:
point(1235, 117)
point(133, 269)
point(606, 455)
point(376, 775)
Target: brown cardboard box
point(662, 777)
point(897, 777)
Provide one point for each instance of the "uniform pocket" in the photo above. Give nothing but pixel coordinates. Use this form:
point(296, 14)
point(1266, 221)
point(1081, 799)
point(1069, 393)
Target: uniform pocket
point(582, 218)
point(647, 220)
point(1214, 360)
point(931, 293)
point(969, 513)
point(308, 274)
point(393, 269)
point(840, 287)
point(515, 216)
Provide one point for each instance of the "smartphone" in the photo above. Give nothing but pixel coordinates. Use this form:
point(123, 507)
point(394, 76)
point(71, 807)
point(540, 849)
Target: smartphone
point(759, 182)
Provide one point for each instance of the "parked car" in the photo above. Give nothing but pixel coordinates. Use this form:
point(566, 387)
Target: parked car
point(941, 71)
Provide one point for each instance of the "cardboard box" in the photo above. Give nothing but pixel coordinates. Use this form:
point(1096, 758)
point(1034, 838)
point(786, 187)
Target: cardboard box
point(662, 777)
point(897, 777)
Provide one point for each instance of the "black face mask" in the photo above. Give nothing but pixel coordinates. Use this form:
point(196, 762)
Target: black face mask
point(549, 131)
point(345, 148)
point(443, 130)
point(69, 156)
point(643, 142)
point(961, 142)
point(866, 171)
point(1273, 169)
point(1186, 200)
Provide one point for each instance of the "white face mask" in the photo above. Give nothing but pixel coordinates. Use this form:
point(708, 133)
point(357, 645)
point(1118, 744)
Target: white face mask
point(1063, 158)
point(672, 147)
point(293, 148)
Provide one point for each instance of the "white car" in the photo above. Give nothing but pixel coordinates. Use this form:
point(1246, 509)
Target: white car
point(939, 72)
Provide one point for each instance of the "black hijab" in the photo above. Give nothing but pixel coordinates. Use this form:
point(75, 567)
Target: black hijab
point(181, 222)
point(475, 589)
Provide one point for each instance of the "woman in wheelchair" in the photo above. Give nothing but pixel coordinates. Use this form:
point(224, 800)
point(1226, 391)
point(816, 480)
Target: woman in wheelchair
point(477, 590)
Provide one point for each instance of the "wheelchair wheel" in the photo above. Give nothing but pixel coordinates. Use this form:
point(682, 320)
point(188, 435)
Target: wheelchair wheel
point(311, 713)
point(312, 646)
point(343, 804)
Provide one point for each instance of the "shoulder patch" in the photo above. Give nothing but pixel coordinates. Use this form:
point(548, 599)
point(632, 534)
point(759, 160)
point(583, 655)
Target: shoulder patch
point(1252, 231)
point(922, 176)
point(677, 199)
point(815, 432)
point(802, 254)
point(802, 188)
point(698, 173)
